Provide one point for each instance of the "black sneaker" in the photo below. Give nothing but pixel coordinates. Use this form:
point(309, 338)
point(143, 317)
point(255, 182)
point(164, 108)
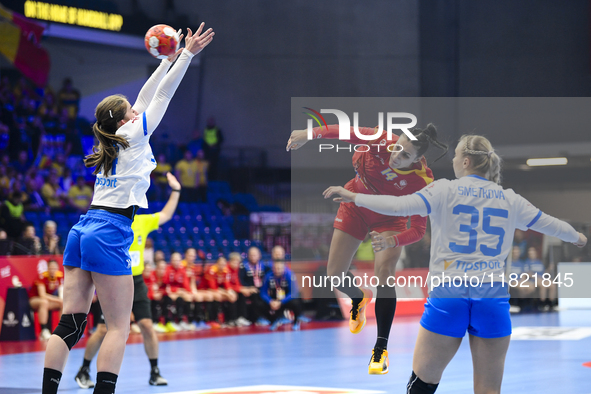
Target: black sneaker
point(83, 378)
point(156, 379)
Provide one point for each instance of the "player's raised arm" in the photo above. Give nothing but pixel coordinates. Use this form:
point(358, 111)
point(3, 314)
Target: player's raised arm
point(149, 89)
point(168, 211)
point(194, 43)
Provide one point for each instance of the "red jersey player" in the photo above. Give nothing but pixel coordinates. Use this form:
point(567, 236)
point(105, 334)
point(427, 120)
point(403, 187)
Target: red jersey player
point(179, 290)
point(217, 278)
point(45, 296)
point(393, 167)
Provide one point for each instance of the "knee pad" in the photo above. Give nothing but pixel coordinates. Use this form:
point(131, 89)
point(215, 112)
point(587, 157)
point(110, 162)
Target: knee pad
point(70, 328)
point(417, 386)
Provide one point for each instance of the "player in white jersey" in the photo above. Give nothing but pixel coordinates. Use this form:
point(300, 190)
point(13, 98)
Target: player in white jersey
point(97, 250)
point(473, 220)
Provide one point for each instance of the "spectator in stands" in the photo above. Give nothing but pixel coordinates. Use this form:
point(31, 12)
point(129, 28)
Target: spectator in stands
point(218, 283)
point(80, 195)
point(5, 243)
point(50, 242)
point(234, 261)
point(67, 180)
point(22, 163)
point(179, 291)
point(69, 98)
point(28, 243)
point(52, 193)
point(196, 144)
point(58, 165)
point(278, 294)
point(34, 201)
point(213, 140)
point(4, 183)
point(12, 215)
point(186, 171)
point(46, 295)
point(251, 274)
point(159, 176)
point(202, 171)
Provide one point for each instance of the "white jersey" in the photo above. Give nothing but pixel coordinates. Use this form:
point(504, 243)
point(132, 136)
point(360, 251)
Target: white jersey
point(473, 221)
point(129, 178)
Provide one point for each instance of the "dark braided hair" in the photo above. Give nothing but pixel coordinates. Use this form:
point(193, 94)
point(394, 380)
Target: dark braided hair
point(426, 137)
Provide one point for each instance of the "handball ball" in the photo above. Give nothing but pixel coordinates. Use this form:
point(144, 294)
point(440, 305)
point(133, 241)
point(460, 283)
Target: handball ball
point(162, 41)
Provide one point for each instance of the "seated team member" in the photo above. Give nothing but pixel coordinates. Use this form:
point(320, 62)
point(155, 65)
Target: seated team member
point(234, 260)
point(50, 242)
point(251, 274)
point(142, 226)
point(277, 292)
point(179, 291)
point(159, 301)
point(217, 278)
point(535, 267)
point(46, 295)
point(201, 296)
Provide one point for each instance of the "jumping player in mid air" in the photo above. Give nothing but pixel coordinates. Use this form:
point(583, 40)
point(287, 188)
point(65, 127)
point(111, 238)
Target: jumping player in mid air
point(142, 226)
point(97, 250)
point(473, 221)
point(395, 167)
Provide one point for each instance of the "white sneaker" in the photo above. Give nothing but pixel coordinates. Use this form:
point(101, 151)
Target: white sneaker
point(45, 335)
point(135, 328)
point(186, 326)
point(159, 327)
point(242, 322)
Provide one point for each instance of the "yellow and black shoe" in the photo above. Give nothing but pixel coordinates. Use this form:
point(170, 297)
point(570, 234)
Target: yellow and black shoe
point(378, 364)
point(357, 316)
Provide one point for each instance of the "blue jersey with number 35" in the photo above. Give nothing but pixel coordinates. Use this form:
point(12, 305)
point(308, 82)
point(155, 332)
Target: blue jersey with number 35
point(474, 221)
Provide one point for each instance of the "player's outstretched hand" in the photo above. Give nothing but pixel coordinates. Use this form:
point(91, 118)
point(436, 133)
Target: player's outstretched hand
point(297, 139)
point(344, 194)
point(195, 43)
point(582, 241)
point(173, 182)
point(380, 242)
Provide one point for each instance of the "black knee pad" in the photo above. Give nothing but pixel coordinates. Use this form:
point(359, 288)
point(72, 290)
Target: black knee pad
point(71, 328)
point(417, 386)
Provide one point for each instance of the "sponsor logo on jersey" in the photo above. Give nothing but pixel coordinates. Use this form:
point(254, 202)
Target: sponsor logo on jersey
point(446, 264)
point(479, 265)
point(401, 185)
point(338, 220)
point(107, 182)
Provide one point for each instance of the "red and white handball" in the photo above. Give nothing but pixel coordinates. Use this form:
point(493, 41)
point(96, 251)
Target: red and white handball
point(162, 41)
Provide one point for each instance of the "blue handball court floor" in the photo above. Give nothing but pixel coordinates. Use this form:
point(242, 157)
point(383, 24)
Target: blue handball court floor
point(549, 353)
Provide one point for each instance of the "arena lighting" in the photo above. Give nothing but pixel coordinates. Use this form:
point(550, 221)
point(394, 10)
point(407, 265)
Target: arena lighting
point(73, 15)
point(547, 161)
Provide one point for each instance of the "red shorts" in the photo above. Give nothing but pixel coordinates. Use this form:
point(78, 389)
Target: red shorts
point(357, 221)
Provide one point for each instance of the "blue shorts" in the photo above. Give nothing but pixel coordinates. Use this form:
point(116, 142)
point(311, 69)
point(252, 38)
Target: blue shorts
point(482, 311)
point(100, 242)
